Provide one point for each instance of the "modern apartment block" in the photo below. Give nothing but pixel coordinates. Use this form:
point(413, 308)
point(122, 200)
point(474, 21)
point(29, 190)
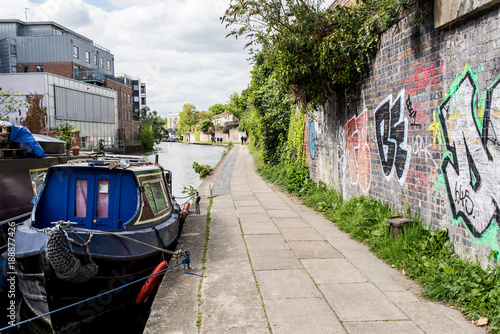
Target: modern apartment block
point(50, 47)
point(138, 97)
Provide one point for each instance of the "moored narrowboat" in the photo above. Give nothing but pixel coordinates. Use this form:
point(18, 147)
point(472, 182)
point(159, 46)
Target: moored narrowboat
point(97, 225)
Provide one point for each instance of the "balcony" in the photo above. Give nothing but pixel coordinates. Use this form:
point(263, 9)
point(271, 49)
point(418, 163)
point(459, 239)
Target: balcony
point(90, 76)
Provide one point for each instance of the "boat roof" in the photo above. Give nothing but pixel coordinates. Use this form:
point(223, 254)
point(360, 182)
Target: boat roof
point(111, 163)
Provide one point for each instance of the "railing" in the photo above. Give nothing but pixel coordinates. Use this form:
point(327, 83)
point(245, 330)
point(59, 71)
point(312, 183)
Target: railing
point(101, 143)
point(89, 76)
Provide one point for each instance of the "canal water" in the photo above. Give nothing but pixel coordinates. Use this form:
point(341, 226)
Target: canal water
point(179, 157)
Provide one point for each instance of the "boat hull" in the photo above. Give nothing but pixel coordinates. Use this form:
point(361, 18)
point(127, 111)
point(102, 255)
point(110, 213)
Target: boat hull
point(120, 262)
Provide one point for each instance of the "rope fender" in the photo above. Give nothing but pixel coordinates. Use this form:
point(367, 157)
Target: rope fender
point(62, 258)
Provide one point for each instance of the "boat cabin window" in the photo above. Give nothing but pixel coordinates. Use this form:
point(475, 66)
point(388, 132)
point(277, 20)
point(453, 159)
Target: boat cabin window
point(156, 196)
point(102, 198)
point(81, 198)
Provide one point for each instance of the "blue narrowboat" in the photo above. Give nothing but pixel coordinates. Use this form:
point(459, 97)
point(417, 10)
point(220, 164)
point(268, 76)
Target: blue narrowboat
point(96, 225)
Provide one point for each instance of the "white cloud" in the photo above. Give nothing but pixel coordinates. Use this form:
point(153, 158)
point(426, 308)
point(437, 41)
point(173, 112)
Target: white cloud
point(177, 47)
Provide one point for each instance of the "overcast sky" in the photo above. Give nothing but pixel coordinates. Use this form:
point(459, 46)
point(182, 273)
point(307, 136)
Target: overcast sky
point(177, 47)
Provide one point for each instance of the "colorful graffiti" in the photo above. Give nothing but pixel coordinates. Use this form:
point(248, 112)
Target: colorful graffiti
point(469, 168)
point(312, 140)
point(422, 76)
point(358, 149)
point(391, 128)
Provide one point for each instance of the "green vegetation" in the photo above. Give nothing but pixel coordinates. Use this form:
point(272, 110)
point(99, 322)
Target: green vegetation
point(203, 170)
point(10, 102)
point(65, 130)
point(314, 50)
point(230, 145)
point(420, 253)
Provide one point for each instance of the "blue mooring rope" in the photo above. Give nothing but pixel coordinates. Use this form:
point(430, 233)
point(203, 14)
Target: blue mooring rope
point(184, 262)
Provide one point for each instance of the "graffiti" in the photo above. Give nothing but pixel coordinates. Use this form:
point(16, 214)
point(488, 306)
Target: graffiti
point(418, 179)
point(391, 128)
point(341, 160)
point(358, 149)
point(416, 112)
point(469, 167)
point(312, 140)
point(420, 149)
point(422, 76)
point(435, 128)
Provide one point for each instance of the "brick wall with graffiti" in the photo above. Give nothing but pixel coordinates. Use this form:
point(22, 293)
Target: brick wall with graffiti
point(420, 132)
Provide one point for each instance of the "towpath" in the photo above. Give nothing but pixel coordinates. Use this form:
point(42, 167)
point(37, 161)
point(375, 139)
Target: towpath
point(274, 265)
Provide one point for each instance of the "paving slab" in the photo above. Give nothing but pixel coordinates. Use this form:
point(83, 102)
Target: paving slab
point(300, 233)
point(382, 327)
point(339, 270)
point(360, 302)
point(282, 284)
point(293, 316)
point(267, 242)
point(255, 218)
point(314, 249)
point(282, 213)
point(259, 228)
point(290, 222)
point(275, 260)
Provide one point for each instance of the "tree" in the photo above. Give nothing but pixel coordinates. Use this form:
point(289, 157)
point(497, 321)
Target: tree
point(313, 50)
point(146, 136)
point(36, 117)
point(219, 108)
point(187, 118)
point(10, 101)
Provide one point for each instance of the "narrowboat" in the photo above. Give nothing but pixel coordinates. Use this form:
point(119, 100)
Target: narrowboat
point(96, 225)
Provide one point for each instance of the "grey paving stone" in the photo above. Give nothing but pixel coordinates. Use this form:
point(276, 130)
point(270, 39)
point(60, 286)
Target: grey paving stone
point(360, 302)
point(290, 222)
point(276, 259)
point(250, 209)
point(280, 284)
point(255, 218)
point(282, 213)
point(382, 327)
point(314, 249)
point(259, 228)
point(325, 271)
point(300, 316)
point(268, 242)
point(300, 233)
point(434, 318)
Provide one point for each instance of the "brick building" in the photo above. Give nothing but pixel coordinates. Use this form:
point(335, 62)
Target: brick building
point(420, 130)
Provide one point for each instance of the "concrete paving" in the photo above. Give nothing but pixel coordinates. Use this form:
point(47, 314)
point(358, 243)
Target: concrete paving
point(274, 265)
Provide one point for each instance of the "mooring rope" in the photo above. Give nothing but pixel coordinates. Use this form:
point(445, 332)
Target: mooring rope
point(176, 253)
point(185, 261)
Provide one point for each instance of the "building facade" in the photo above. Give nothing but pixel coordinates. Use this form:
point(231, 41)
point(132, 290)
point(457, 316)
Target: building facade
point(89, 108)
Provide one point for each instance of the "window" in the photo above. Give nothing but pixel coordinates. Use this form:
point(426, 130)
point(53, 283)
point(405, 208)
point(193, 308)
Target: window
point(81, 198)
point(102, 198)
point(87, 56)
point(95, 60)
point(136, 98)
point(12, 49)
point(156, 196)
point(38, 68)
point(26, 68)
point(75, 51)
point(13, 69)
point(108, 64)
point(102, 62)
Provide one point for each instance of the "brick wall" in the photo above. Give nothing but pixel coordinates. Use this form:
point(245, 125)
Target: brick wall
point(64, 69)
point(420, 130)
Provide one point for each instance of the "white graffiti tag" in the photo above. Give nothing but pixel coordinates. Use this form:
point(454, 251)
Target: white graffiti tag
point(469, 168)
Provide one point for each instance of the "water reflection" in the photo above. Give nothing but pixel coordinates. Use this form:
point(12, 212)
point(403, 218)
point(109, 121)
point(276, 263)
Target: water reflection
point(179, 158)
